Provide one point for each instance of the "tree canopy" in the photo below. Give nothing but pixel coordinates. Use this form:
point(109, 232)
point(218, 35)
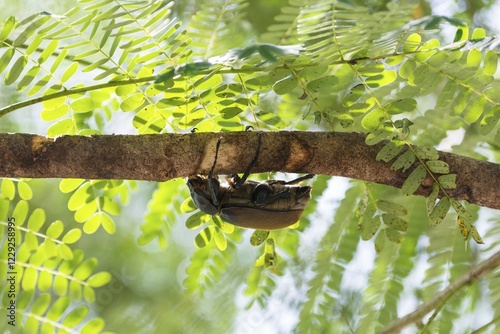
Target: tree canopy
point(379, 92)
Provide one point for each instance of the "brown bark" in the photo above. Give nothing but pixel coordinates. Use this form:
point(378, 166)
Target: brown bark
point(168, 156)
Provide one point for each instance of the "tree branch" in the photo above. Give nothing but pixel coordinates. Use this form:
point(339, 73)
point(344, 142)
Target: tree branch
point(474, 274)
point(167, 156)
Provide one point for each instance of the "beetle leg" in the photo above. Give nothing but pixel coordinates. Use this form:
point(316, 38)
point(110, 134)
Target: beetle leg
point(239, 181)
point(212, 183)
point(300, 179)
point(262, 191)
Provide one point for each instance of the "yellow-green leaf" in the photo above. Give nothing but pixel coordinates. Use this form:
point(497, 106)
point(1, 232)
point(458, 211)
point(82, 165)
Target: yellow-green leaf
point(132, 102)
point(412, 43)
point(85, 104)
point(258, 237)
point(69, 72)
point(16, 70)
point(204, 237)
point(220, 240)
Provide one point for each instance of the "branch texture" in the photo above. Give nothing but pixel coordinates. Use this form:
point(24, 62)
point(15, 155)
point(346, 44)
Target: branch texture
point(167, 156)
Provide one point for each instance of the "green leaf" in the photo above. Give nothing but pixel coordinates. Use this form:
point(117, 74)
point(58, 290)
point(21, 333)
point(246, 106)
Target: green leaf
point(16, 70)
point(196, 220)
point(64, 252)
point(68, 185)
point(55, 229)
point(401, 106)
point(49, 248)
point(391, 207)
point(58, 308)
point(80, 197)
point(84, 104)
point(381, 79)
point(20, 212)
point(36, 220)
point(85, 269)
point(447, 94)
point(407, 69)
point(380, 241)
point(427, 152)
point(439, 212)
point(323, 85)
point(404, 161)
point(29, 279)
point(204, 237)
point(475, 235)
point(188, 205)
point(208, 82)
point(63, 127)
point(23, 36)
point(395, 222)
point(41, 304)
point(389, 151)
point(490, 62)
point(99, 279)
point(93, 326)
point(44, 281)
point(431, 200)
point(60, 285)
point(132, 102)
point(76, 316)
point(475, 109)
point(489, 120)
point(462, 34)
point(373, 119)
point(107, 223)
point(369, 226)
point(72, 236)
point(9, 24)
point(27, 78)
point(378, 135)
point(412, 43)
point(92, 224)
point(258, 237)
point(5, 59)
point(285, 85)
point(438, 166)
point(394, 235)
point(353, 96)
point(8, 189)
point(313, 72)
point(448, 181)
point(413, 181)
point(31, 241)
point(69, 72)
point(220, 240)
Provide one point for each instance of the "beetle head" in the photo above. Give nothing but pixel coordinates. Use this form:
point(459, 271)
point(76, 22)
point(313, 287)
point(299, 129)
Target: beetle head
point(205, 192)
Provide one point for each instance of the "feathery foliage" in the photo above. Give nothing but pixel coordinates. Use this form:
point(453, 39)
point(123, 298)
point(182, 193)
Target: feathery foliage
point(330, 65)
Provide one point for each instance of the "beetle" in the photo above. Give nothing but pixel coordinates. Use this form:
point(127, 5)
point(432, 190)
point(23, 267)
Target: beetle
point(266, 205)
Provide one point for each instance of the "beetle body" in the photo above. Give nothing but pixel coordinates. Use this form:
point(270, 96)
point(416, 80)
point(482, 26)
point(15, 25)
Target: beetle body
point(267, 205)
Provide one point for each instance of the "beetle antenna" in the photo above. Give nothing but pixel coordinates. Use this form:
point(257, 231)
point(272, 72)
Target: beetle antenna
point(243, 179)
point(215, 160)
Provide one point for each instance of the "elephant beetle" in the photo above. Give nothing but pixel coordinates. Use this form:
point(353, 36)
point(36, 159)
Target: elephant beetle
point(266, 205)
